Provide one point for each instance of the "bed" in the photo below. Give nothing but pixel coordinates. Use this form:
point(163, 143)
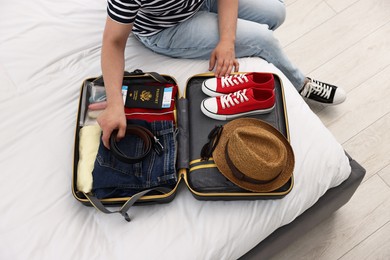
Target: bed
point(47, 49)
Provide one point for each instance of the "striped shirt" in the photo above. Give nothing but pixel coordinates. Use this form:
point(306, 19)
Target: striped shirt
point(152, 16)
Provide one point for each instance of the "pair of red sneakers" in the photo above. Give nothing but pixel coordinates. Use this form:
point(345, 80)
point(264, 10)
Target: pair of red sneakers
point(238, 95)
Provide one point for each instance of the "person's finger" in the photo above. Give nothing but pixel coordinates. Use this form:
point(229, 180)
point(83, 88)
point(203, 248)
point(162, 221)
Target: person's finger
point(218, 69)
point(106, 138)
point(121, 132)
point(223, 68)
point(226, 68)
point(236, 66)
point(212, 62)
point(229, 68)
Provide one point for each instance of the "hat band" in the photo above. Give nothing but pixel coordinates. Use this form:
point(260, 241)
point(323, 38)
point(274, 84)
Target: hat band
point(241, 176)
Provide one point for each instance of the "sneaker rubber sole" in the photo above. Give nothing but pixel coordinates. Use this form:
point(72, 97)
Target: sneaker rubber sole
point(233, 116)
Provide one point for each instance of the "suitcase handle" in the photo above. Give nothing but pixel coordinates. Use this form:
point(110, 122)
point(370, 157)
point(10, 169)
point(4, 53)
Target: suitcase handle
point(157, 77)
point(97, 204)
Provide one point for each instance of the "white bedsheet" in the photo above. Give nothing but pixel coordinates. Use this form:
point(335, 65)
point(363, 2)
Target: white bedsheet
point(47, 48)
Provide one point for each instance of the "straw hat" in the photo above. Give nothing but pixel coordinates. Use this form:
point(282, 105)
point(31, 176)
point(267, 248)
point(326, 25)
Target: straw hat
point(254, 155)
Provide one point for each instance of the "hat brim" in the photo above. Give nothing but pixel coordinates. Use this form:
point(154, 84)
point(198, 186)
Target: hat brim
point(222, 165)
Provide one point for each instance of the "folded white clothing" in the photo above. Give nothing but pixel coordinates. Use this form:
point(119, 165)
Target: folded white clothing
point(88, 147)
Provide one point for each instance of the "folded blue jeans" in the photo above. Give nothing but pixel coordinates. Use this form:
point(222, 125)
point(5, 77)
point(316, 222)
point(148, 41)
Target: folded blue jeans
point(114, 178)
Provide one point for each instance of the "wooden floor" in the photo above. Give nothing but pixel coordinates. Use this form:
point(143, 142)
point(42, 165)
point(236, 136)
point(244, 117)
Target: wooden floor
point(347, 42)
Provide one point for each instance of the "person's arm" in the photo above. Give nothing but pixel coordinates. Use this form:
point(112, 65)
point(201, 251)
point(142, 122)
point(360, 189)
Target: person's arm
point(223, 57)
point(112, 61)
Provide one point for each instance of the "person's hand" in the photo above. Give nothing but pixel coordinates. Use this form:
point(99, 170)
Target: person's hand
point(113, 117)
point(223, 59)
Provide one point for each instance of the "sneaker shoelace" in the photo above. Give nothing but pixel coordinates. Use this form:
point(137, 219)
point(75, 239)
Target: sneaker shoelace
point(317, 88)
point(233, 80)
point(233, 99)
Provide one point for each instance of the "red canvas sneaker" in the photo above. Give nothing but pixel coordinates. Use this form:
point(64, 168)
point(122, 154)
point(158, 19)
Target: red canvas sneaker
point(241, 103)
point(225, 85)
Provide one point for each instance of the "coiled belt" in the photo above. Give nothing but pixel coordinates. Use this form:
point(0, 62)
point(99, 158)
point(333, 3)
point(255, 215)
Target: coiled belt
point(145, 135)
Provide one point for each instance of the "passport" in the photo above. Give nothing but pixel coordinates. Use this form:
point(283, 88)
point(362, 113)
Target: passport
point(148, 96)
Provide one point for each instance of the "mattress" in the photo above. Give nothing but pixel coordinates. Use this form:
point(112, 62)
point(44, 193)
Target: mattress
point(47, 48)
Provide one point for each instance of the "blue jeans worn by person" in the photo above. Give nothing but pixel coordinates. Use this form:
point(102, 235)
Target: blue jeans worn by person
point(197, 37)
point(114, 178)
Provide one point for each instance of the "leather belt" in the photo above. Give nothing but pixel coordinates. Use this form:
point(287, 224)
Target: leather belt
point(145, 135)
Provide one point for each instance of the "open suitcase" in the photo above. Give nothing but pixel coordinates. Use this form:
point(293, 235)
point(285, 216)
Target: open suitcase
point(202, 177)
